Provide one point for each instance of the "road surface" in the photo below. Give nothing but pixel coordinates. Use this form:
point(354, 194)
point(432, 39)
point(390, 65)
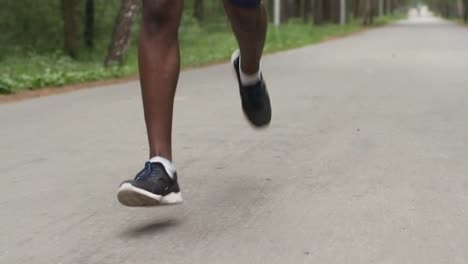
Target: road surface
point(365, 162)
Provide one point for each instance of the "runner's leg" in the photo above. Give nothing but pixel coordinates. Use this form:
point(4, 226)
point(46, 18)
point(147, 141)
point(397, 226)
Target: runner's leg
point(159, 62)
point(249, 23)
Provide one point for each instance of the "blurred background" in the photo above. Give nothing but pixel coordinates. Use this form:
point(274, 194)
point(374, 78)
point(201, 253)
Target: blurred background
point(364, 163)
point(52, 43)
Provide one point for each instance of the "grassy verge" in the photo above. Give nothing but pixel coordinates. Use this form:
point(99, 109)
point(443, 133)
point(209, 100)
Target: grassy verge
point(461, 22)
point(22, 69)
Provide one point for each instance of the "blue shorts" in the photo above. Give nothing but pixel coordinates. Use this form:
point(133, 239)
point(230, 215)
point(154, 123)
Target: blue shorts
point(246, 3)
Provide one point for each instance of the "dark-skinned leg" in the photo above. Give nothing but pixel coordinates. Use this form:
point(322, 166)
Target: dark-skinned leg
point(249, 26)
point(249, 23)
point(159, 62)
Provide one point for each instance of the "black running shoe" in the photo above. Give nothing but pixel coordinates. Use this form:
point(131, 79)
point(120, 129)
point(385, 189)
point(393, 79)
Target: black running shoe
point(255, 99)
point(152, 186)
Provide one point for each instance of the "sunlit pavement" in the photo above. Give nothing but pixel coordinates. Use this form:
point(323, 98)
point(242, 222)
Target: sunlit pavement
point(365, 162)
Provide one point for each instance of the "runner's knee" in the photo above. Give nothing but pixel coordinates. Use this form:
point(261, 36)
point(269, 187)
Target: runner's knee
point(161, 13)
point(246, 3)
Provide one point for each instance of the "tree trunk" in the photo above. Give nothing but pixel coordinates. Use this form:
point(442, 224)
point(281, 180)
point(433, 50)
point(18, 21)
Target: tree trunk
point(465, 12)
point(334, 11)
point(357, 8)
point(326, 10)
point(374, 10)
point(69, 27)
point(318, 12)
point(388, 7)
point(285, 4)
point(297, 4)
point(89, 24)
point(306, 10)
point(122, 31)
point(367, 12)
point(270, 9)
point(380, 5)
point(446, 12)
point(393, 6)
point(198, 9)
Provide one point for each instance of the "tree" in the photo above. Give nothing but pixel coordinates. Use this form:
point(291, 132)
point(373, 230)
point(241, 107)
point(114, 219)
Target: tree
point(269, 4)
point(306, 10)
point(122, 31)
point(69, 27)
point(465, 11)
point(318, 12)
point(326, 11)
point(389, 4)
point(335, 11)
point(369, 12)
point(450, 8)
point(462, 8)
point(198, 9)
point(296, 7)
point(357, 10)
point(89, 24)
point(285, 6)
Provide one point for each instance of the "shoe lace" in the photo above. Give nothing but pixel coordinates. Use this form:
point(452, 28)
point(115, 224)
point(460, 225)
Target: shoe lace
point(145, 172)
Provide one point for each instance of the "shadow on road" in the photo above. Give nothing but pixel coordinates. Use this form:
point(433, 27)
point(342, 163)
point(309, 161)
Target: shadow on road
point(150, 229)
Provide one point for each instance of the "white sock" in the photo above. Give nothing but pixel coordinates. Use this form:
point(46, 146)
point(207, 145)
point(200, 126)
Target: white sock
point(249, 79)
point(170, 169)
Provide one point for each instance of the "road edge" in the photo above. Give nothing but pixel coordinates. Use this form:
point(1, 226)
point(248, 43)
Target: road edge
point(57, 90)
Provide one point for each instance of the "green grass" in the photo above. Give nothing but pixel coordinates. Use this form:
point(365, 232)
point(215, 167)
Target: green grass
point(461, 22)
point(24, 69)
point(34, 71)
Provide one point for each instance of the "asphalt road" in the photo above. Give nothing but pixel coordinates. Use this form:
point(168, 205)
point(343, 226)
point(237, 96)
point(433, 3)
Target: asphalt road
point(365, 162)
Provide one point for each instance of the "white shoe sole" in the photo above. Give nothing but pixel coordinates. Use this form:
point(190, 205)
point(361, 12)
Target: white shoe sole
point(131, 196)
